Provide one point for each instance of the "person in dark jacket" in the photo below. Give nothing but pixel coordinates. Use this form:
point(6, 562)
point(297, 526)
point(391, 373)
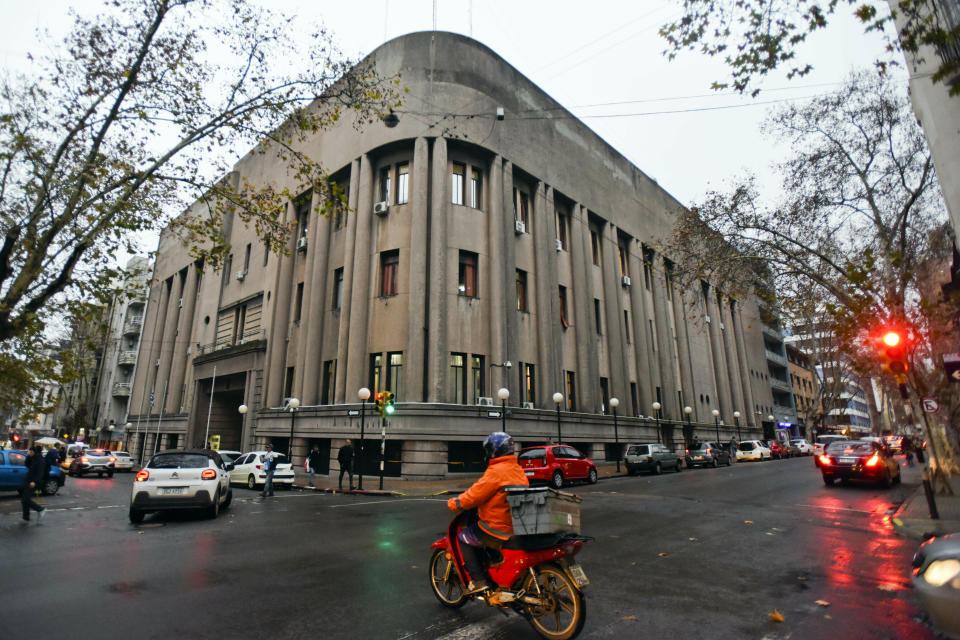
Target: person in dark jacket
point(51, 459)
point(314, 462)
point(31, 480)
point(345, 458)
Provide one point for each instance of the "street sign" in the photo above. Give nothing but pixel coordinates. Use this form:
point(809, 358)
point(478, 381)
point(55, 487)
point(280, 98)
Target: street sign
point(353, 412)
point(951, 364)
point(493, 414)
point(930, 405)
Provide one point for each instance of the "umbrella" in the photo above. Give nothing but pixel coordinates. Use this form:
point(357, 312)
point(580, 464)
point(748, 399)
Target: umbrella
point(48, 440)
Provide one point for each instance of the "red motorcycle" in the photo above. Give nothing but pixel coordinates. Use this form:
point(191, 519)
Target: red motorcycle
point(536, 576)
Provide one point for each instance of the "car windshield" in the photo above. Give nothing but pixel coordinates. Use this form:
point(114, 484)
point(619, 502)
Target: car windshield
point(531, 454)
point(179, 461)
point(228, 457)
point(637, 451)
point(746, 446)
point(851, 447)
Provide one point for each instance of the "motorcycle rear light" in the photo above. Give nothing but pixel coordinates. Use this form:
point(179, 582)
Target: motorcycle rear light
point(872, 462)
point(84, 460)
point(142, 475)
point(209, 474)
point(825, 460)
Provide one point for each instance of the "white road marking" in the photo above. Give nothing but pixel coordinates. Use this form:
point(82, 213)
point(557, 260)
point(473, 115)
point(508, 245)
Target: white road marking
point(820, 507)
point(476, 631)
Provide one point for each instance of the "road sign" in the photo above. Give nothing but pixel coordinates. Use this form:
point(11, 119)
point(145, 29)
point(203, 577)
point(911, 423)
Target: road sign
point(353, 412)
point(930, 405)
point(493, 414)
point(951, 364)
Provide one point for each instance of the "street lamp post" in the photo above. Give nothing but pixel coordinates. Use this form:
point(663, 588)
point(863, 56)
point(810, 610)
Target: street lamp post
point(503, 394)
point(686, 412)
point(614, 403)
point(242, 410)
point(293, 405)
point(716, 423)
point(656, 417)
point(736, 420)
point(773, 425)
point(558, 399)
point(364, 395)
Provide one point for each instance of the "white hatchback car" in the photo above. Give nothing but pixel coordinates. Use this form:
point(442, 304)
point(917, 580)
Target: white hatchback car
point(806, 449)
point(251, 470)
point(181, 479)
point(124, 461)
point(753, 450)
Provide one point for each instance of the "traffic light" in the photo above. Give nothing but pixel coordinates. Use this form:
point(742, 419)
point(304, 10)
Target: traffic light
point(892, 349)
point(16, 438)
point(388, 407)
point(380, 403)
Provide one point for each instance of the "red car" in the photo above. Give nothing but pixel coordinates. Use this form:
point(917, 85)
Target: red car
point(777, 450)
point(556, 464)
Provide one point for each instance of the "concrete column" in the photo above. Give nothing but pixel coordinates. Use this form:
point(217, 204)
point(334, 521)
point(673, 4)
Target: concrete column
point(341, 393)
point(581, 298)
point(664, 341)
point(498, 299)
point(184, 333)
point(642, 348)
point(437, 302)
point(415, 363)
point(509, 318)
point(363, 260)
point(280, 323)
point(749, 415)
point(613, 310)
point(733, 361)
point(314, 306)
point(168, 339)
point(149, 349)
point(716, 352)
point(683, 349)
point(546, 284)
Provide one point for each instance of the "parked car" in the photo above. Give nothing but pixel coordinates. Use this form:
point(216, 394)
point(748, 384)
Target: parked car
point(98, 461)
point(654, 458)
point(753, 450)
point(556, 464)
point(790, 450)
point(124, 461)
point(806, 449)
point(859, 460)
point(181, 479)
point(936, 580)
point(776, 448)
point(706, 454)
point(894, 443)
point(250, 469)
point(13, 468)
point(228, 455)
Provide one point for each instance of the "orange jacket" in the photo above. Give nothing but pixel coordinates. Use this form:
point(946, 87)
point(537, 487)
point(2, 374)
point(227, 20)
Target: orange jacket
point(486, 494)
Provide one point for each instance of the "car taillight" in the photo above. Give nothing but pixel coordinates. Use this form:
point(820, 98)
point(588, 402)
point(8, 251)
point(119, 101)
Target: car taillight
point(112, 460)
point(142, 475)
point(258, 466)
point(709, 450)
point(84, 460)
point(825, 460)
point(209, 474)
point(686, 452)
point(872, 462)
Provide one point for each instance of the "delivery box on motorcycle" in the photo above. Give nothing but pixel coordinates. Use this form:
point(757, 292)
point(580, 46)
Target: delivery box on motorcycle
point(539, 510)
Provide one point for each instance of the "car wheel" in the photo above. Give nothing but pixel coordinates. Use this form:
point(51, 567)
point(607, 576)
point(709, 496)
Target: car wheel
point(631, 470)
point(557, 480)
point(226, 503)
point(50, 487)
point(828, 480)
point(214, 509)
point(657, 469)
point(679, 467)
point(251, 482)
point(592, 476)
point(715, 464)
point(729, 461)
point(136, 516)
point(110, 474)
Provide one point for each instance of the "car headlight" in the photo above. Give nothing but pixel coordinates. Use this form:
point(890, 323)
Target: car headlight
point(940, 572)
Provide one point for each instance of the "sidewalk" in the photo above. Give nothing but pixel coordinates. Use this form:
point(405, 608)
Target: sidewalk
point(416, 488)
point(912, 519)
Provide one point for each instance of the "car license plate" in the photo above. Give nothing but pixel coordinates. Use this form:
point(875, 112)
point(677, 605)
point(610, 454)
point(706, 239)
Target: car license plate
point(529, 473)
point(172, 491)
point(698, 457)
point(847, 460)
point(576, 571)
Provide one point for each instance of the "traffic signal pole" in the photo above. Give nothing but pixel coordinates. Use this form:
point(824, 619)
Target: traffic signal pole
point(383, 447)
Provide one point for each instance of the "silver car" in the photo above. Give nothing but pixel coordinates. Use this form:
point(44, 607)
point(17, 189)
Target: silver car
point(124, 461)
point(653, 457)
point(181, 479)
point(936, 578)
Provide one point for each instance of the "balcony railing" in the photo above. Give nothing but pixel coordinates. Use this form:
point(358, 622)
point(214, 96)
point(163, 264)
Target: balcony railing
point(128, 358)
point(228, 343)
point(121, 389)
point(133, 325)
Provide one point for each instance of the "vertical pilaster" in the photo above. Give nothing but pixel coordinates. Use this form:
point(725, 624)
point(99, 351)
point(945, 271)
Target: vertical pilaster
point(588, 372)
point(280, 324)
point(750, 417)
point(169, 338)
point(350, 235)
point(683, 350)
point(733, 360)
point(415, 361)
point(509, 318)
point(612, 309)
point(175, 399)
point(716, 351)
point(360, 290)
point(545, 283)
point(643, 348)
point(437, 316)
point(148, 342)
point(664, 358)
point(498, 299)
point(314, 305)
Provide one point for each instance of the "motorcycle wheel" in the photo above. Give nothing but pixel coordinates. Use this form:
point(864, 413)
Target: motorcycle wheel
point(446, 581)
point(563, 611)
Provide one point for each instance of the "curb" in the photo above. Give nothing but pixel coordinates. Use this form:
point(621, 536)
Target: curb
point(920, 528)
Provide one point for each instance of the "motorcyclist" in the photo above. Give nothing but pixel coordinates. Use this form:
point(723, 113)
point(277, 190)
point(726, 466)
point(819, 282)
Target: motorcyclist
point(493, 525)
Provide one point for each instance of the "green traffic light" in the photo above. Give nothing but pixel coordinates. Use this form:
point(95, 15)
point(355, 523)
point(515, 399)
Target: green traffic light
point(390, 409)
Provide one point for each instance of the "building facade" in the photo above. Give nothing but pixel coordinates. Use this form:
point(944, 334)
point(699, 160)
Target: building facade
point(492, 241)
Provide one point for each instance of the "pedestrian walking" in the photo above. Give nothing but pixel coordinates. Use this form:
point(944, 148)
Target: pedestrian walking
point(270, 459)
point(345, 458)
point(314, 462)
point(51, 459)
point(907, 447)
point(31, 481)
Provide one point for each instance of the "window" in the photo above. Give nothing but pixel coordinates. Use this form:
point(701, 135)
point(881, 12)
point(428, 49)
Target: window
point(298, 303)
point(596, 315)
point(624, 267)
point(288, 383)
point(394, 369)
point(562, 223)
point(563, 307)
point(476, 377)
point(246, 258)
point(571, 391)
point(266, 255)
point(468, 274)
point(389, 264)
point(521, 207)
point(457, 177)
point(302, 212)
point(626, 324)
point(653, 341)
point(458, 378)
point(521, 290)
point(604, 394)
point(633, 398)
point(403, 183)
point(337, 288)
point(668, 278)
point(647, 267)
point(239, 322)
point(384, 190)
point(329, 381)
point(476, 186)
point(528, 382)
point(376, 371)
point(595, 245)
point(339, 197)
point(227, 267)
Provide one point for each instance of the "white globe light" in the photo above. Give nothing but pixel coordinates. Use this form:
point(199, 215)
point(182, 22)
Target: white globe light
point(656, 406)
point(688, 410)
point(558, 397)
point(363, 393)
point(294, 404)
point(242, 409)
point(736, 414)
point(715, 413)
point(503, 393)
point(614, 402)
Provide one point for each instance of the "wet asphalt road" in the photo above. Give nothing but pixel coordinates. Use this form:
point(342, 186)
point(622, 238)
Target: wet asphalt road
point(701, 554)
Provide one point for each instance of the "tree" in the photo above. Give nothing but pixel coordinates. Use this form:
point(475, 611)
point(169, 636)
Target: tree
point(757, 36)
point(137, 117)
point(859, 216)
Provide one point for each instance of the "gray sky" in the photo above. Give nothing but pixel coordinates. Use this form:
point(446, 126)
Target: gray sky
point(661, 115)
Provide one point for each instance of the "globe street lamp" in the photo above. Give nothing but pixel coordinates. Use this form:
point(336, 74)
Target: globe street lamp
point(716, 423)
point(504, 395)
point(656, 416)
point(773, 425)
point(557, 399)
point(736, 420)
point(242, 410)
point(686, 412)
point(293, 404)
point(364, 395)
point(614, 403)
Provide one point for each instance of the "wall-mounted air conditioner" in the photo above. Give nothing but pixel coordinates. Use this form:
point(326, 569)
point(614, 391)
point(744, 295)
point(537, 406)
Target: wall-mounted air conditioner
point(302, 243)
point(243, 273)
point(485, 401)
point(381, 208)
point(528, 405)
point(157, 363)
point(519, 227)
point(179, 303)
point(625, 281)
point(558, 244)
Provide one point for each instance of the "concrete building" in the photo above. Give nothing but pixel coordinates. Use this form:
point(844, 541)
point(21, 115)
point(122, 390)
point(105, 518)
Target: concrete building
point(781, 414)
point(806, 389)
point(492, 241)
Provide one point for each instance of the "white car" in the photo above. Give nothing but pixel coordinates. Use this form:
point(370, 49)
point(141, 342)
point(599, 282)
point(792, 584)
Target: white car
point(823, 441)
point(806, 449)
point(753, 450)
point(251, 470)
point(124, 461)
point(229, 456)
point(181, 479)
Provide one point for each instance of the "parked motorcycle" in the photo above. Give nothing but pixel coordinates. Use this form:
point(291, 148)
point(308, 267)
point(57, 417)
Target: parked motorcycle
point(536, 576)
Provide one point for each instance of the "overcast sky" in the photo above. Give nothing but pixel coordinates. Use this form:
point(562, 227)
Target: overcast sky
point(660, 114)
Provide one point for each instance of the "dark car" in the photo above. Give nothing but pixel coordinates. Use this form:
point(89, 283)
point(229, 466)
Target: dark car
point(98, 461)
point(556, 464)
point(706, 454)
point(13, 468)
point(653, 457)
point(859, 460)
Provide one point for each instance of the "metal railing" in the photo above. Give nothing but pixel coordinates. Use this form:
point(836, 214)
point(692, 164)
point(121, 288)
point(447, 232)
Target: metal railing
point(127, 357)
point(245, 338)
point(122, 389)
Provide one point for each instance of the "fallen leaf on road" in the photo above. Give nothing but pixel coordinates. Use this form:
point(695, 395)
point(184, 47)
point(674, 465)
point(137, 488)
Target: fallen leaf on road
point(776, 616)
point(769, 534)
point(823, 603)
point(691, 539)
point(748, 522)
point(634, 563)
point(629, 618)
point(661, 554)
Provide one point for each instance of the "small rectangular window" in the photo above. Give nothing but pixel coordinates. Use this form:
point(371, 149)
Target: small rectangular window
point(521, 290)
point(394, 370)
point(633, 398)
point(329, 381)
point(477, 377)
point(376, 371)
point(528, 382)
point(457, 176)
point(596, 316)
point(389, 267)
point(571, 391)
point(384, 190)
point(288, 383)
point(624, 266)
point(647, 267)
point(302, 210)
point(626, 324)
point(563, 307)
point(467, 285)
point(340, 197)
point(562, 229)
point(604, 395)
point(403, 183)
point(476, 186)
point(458, 378)
point(298, 304)
point(521, 207)
point(595, 245)
point(337, 288)
point(246, 257)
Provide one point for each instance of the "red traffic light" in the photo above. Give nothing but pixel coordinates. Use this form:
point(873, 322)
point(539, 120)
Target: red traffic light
point(891, 338)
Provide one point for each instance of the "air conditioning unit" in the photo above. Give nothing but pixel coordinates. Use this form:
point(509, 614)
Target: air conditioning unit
point(157, 363)
point(381, 208)
point(558, 244)
point(528, 405)
point(302, 244)
point(485, 401)
point(243, 273)
point(179, 303)
point(519, 227)
point(625, 281)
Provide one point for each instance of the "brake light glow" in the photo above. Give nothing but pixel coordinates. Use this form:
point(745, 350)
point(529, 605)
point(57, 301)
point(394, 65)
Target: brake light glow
point(872, 462)
point(209, 474)
point(258, 466)
point(825, 460)
point(686, 451)
point(142, 475)
point(709, 450)
point(84, 460)
point(112, 460)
